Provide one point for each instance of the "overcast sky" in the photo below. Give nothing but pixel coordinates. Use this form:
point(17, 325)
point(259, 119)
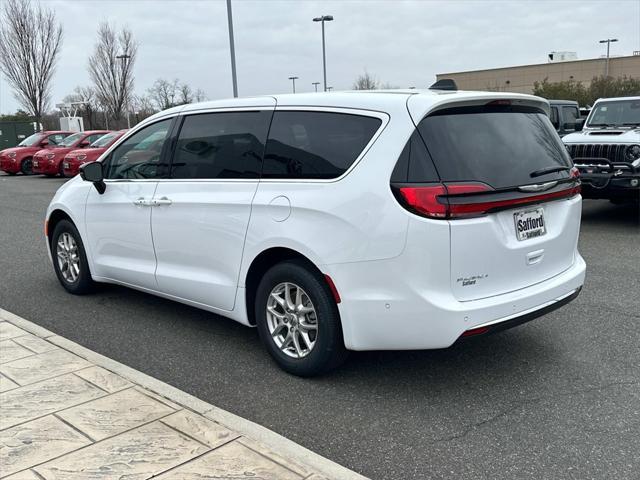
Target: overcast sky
point(404, 43)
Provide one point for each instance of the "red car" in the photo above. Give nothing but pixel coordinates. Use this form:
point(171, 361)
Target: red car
point(75, 158)
point(19, 158)
point(49, 161)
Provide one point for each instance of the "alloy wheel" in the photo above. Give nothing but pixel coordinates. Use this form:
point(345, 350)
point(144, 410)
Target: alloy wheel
point(68, 257)
point(292, 320)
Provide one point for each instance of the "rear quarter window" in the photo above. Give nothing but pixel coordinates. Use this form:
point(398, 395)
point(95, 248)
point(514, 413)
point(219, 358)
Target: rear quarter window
point(315, 145)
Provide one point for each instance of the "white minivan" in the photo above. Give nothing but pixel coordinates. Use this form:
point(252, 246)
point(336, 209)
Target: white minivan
point(334, 221)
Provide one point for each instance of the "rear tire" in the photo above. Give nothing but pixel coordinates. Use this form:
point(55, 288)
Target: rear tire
point(26, 167)
point(70, 259)
point(303, 335)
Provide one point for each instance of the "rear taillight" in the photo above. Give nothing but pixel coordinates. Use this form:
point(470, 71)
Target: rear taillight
point(462, 200)
point(430, 201)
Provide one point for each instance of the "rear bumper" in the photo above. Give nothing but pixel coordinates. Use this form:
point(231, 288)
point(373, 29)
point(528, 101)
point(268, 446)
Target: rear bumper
point(377, 316)
point(523, 317)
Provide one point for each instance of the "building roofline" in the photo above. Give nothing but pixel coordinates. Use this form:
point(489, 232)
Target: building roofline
point(535, 65)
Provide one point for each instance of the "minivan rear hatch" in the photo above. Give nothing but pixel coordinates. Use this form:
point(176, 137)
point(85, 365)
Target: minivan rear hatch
point(508, 190)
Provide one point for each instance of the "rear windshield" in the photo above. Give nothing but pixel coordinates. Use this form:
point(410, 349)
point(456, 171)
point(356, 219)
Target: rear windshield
point(500, 146)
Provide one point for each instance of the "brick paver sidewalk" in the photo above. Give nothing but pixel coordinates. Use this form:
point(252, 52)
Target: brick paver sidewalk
point(63, 415)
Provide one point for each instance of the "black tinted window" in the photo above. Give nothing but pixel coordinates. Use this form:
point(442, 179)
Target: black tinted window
point(553, 115)
point(139, 155)
point(570, 115)
point(221, 145)
point(498, 146)
point(315, 144)
point(414, 164)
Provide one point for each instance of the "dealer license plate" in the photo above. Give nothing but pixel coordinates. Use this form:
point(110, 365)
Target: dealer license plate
point(529, 224)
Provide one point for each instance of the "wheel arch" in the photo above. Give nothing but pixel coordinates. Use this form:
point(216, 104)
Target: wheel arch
point(55, 217)
point(263, 262)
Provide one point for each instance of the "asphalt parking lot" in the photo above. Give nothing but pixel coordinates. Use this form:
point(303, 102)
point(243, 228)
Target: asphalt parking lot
point(556, 398)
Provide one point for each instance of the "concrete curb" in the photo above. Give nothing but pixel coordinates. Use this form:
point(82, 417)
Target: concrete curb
point(284, 447)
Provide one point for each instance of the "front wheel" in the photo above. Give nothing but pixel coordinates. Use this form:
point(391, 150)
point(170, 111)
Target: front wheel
point(26, 167)
point(70, 259)
point(298, 320)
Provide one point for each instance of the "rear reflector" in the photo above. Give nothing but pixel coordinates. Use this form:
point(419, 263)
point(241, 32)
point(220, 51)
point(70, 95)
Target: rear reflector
point(332, 287)
point(457, 200)
point(475, 331)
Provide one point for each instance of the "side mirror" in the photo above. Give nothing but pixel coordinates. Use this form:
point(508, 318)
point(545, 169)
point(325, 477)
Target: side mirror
point(44, 143)
point(579, 124)
point(92, 172)
point(84, 143)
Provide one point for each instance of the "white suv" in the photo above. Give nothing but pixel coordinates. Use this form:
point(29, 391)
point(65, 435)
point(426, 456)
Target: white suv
point(334, 222)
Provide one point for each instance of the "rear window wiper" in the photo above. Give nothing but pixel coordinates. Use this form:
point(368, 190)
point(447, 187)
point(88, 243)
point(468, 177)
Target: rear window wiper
point(544, 171)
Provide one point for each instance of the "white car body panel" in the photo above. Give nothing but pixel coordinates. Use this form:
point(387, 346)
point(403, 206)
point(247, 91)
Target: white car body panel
point(396, 272)
point(118, 233)
point(199, 239)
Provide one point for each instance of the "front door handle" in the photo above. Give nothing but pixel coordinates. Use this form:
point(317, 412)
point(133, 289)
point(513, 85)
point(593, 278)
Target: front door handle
point(143, 202)
point(162, 201)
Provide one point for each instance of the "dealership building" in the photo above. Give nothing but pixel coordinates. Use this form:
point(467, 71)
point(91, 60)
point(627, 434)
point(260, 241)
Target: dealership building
point(521, 78)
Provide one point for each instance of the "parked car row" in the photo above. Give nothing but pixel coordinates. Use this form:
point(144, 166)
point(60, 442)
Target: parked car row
point(54, 153)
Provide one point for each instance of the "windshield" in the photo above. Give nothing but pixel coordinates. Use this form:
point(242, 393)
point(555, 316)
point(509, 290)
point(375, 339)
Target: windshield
point(31, 140)
point(71, 139)
point(104, 140)
point(501, 148)
point(618, 113)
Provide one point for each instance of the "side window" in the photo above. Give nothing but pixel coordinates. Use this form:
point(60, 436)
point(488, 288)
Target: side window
point(570, 115)
point(315, 144)
point(94, 137)
point(139, 155)
point(554, 117)
point(56, 138)
point(221, 145)
point(414, 164)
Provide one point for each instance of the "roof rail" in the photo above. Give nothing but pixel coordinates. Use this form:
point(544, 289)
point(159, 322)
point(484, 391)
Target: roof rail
point(444, 84)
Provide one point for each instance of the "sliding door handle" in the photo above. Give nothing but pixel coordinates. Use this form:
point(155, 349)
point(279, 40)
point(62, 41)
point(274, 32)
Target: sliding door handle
point(143, 202)
point(162, 201)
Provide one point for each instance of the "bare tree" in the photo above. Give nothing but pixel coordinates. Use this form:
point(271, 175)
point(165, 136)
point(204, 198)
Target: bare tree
point(366, 81)
point(199, 95)
point(142, 106)
point(163, 93)
point(111, 68)
point(186, 94)
point(166, 94)
point(30, 41)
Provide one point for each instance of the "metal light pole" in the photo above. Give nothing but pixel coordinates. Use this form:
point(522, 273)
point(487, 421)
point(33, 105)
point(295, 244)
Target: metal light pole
point(608, 41)
point(233, 49)
point(322, 19)
point(124, 57)
point(315, 84)
point(293, 80)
